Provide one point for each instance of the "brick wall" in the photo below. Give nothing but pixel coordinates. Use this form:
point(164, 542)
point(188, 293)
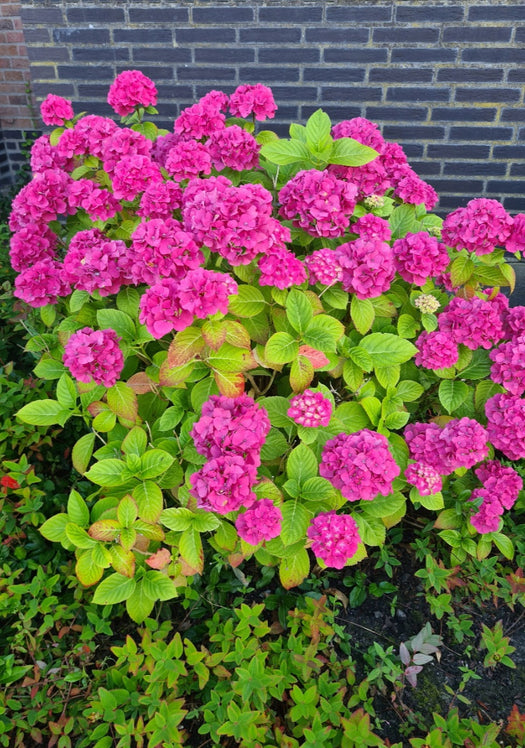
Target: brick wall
point(443, 77)
point(16, 109)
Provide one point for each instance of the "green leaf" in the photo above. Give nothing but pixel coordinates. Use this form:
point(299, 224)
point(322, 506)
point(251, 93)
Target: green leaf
point(409, 391)
point(277, 408)
point(403, 220)
point(114, 589)
point(349, 152)
point(66, 391)
point(298, 310)
point(54, 528)
point(336, 298)
point(88, 572)
point(372, 407)
point(82, 451)
point(387, 349)
point(362, 313)
point(274, 447)
point(383, 506)
point(301, 373)
point(135, 442)
point(122, 400)
point(301, 464)
point(249, 302)
point(138, 606)
point(433, 501)
point(127, 512)
point(149, 500)
point(461, 270)
point(452, 393)
point(387, 376)
point(171, 417)
point(323, 332)
point(361, 357)
point(294, 523)
point(429, 321)
point(48, 314)
point(43, 413)
point(48, 368)
point(484, 391)
point(504, 544)
point(177, 518)
point(228, 358)
point(190, 549)
point(352, 375)
point(284, 152)
point(200, 393)
point(318, 128)
point(154, 462)
point(104, 421)
point(294, 569)
point(317, 489)
point(353, 416)
point(396, 420)
point(109, 473)
point(185, 346)
point(407, 326)
point(120, 322)
point(157, 586)
point(128, 300)
point(281, 348)
point(78, 536)
point(77, 509)
point(479, 366)
point(371, 530)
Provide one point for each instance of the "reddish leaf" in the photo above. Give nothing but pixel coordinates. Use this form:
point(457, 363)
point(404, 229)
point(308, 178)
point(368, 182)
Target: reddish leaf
point(104, 529)
point(140, 383)
point(185, 346)
point(237, 334)
point(97, 407)
point(174, 376)
point(301, 373)
point(516, 724)
point(230, 384)
point(160, 559)
point(317, 358)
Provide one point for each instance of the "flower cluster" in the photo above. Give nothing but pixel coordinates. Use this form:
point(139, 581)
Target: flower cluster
point(254, 100)
point(334, 537)
point(30, 245)
point(233, 148)
point(318, 202)
point(506, 424)
point(323, 267)
point(501, 486)
point(425, 478)
point(261, 522)
point(310, 409)
point(94, 356)
point(418, 257)
point(160, 248)
point(436, 350)
point(460, 443)
point(129, 90)
point(360, 465)
point(42, 283)
point(56, 110)
point(474, 322)
point(95, 263)
point(188, 159)
point(230, 434)
point(508, 368)
point(479, 227)
point(367, 267)
point(372, 227)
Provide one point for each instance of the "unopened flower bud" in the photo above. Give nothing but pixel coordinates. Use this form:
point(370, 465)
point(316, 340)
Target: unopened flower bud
point(427, 303)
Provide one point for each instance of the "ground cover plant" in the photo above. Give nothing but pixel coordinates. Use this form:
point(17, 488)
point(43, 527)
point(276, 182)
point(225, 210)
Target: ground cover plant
point(271, 360)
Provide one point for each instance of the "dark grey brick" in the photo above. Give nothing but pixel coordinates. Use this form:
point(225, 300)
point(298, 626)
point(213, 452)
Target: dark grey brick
point(481, 133)
point(288, 114)
point(81, 36)
point(470, 75)
point(359, 14)
point(512, 115)
point(499, 95)
point(506, 186)
point(509, 152)
point(426, 14)
point(142, 36)
point(301, 14)
point(407, 54)
point(43, 72)
point(92, 89)
point(41, 90)
point(293, 54)
point(223, 15)
point(515, 204)
point(397, 75)
point(151, 54)
point(335, 74)
point(273, 36)
point(520, 33)
point(266, 75)
point(426, 169)
point(466, 34)
point(106, 54)
point(48, 54)
point(337, 36)
point(412, 150)
point(396, 114)
point(86, 72)
point(204, 36)
point(475, 169)
point(399, 35)
point(220, 55)
point(357, 56)
point(356, 93)
point(41, 16)
point(464, 114)
point(517, 170)
point(95, 15)
point(158, 15)
point(194, 73)
point(517, 75)
point(449, 203)
point(421, 132)
point(493, 55)
point(470, 186)
point(182, 93)
point(497, 13)
point(37, 36)
point(405, 93)
point(465, 152)
point(336, 113)
point(294, 93)
point(155, 72)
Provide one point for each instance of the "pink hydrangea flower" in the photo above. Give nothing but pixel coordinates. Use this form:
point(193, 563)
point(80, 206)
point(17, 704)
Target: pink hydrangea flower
point(163, 145)
point(318, 202)
point(360, 465)
point(93, 131)
point(206, 292)
point(369, 179)
point(188, 159)
point(132, 175)
point(461, 443)
point(129, 90)
point(362, 130)
point(424, 444)
point(253, 99)
point(159, 200)
point(514, 322)
point(56, 110)
point(516, 239)
point(310, 409)
point(94, 356)
point(233, 148)
point(424, 477)
point(94, 262)
point(42, 200)
point(479, 227)
point(123, 143)
point(261, 522)
point(474, 322)
point(414, 190)
point(223, 485)
point(418, 257)
point(506, 424)
point(508, 368)
point(281, 268)
point(231, 425)
point(203, 118)
point(500, 481)
point(488, 517)
point(41, 284)
point(368, 267)
point(161, 311)
point(30, 245)
point(394, 161)
point(46, 156)
point(162, 249)
point(334, 537)
point(436, 350)
point(323, 267)
point(99, 204)
point(372, 227)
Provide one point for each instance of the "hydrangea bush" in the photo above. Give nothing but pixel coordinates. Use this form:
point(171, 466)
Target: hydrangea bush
point(273, 344)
